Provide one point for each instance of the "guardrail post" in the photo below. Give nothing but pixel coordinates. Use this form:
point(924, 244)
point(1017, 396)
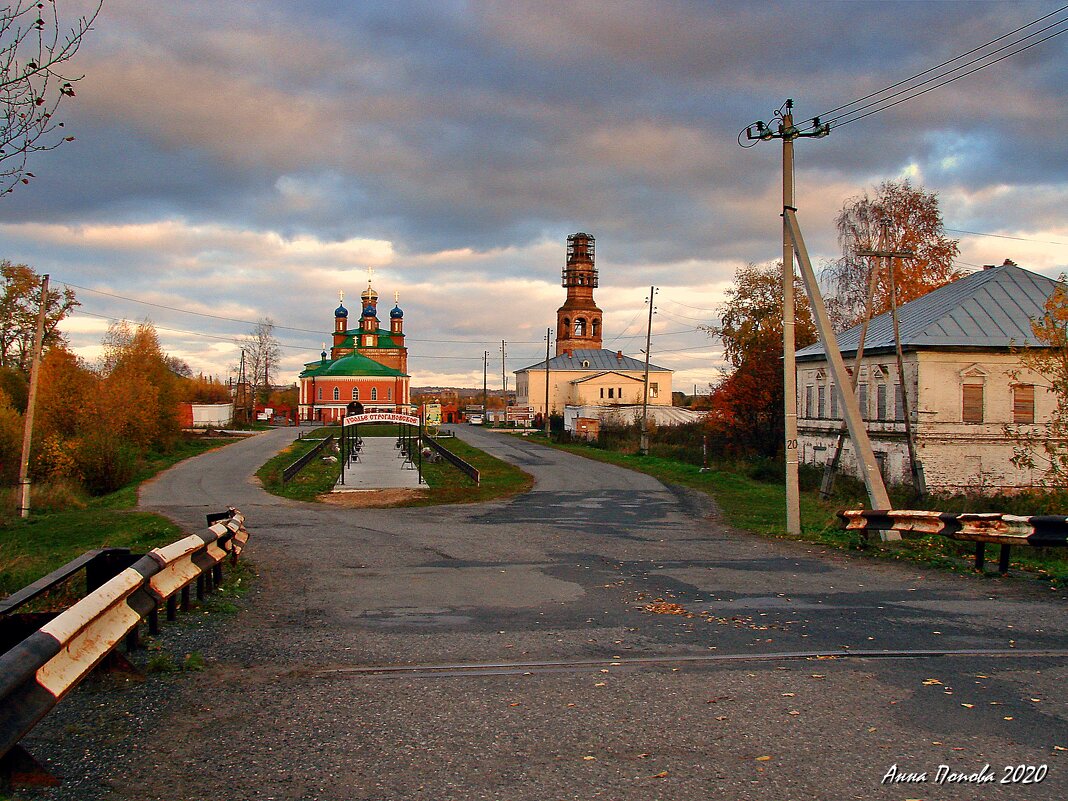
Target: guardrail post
point(1003, 560)
point(185, 599)
point(980, 555)
point(172, 608)
point(153, 622)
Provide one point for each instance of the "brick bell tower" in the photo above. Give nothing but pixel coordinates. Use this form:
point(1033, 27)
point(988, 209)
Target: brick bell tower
point(578, 321)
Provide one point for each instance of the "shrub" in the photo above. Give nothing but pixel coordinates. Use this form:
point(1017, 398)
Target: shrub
point(106, 461)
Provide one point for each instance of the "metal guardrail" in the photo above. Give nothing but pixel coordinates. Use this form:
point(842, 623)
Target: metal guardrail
point(41, 669)
point(453, 459)
point(1037, 531)
point(302, 462)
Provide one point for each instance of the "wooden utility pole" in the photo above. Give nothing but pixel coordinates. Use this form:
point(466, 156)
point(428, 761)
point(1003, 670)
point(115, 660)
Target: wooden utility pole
point(485, 374)
point(504, 384)
point(643, 440)
point(548, 335)
point(27, 430)
point(915, 467)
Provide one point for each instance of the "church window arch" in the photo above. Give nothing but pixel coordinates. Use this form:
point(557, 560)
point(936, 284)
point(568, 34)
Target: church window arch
point(596, 327)
point(374, 393)
point(337, 394)
point(355, 393)
point(567, 328)
point(580, 327)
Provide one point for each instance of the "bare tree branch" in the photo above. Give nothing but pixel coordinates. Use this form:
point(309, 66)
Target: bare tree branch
point(34, 53)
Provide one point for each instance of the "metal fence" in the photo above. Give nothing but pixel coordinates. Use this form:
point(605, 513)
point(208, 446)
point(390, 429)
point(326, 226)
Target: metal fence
point(302, 462)
point(452, 459)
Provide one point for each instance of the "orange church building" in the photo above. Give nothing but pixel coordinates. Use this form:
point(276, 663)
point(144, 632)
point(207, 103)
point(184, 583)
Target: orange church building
point(366, 369)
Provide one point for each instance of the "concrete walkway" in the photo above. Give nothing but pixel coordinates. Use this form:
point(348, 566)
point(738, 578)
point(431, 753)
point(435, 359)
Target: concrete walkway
point(380, 467)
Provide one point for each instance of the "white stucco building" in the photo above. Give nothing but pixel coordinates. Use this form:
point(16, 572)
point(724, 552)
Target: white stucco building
point(964, 384)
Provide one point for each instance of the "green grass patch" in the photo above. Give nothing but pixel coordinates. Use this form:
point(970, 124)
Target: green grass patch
point(447, 484)
point(316, 478)
point(760, 506)
point(58, 530)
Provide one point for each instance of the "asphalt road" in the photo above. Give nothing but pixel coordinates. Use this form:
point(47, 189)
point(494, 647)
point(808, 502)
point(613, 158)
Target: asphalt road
point(509, 651)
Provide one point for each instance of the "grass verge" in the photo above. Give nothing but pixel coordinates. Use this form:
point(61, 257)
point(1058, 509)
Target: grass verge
point(759, 506)
point(58, 530)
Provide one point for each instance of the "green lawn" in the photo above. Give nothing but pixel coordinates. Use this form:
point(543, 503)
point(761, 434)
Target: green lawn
point(497, 479)
point(64, 525)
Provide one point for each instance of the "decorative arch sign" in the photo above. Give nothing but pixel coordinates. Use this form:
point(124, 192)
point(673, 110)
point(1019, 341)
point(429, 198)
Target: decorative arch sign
point(381, 417)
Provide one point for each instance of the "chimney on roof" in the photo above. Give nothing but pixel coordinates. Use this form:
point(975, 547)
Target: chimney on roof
point(619, 355)
point(988, 266)
point(1009, 263)
point(569, 354)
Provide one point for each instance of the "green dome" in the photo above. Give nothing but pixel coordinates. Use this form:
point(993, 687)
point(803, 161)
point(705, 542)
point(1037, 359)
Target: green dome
point(356, 365)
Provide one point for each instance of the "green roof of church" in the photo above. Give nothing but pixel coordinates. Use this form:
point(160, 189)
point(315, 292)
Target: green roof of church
point(352, 365)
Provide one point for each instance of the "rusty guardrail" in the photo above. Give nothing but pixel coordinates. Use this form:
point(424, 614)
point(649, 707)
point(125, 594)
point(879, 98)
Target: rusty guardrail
point(1037, 531)
point(40, 670)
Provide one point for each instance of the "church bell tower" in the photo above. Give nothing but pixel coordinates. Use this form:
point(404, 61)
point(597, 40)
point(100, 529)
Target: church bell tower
point(578, 321)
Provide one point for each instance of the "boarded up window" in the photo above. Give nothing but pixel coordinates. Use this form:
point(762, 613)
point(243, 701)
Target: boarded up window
point(862, 399)
point(808, 402)
point(834, 403)
point(899, 402)
point(821, 404)
point(880, 402)
point(972, 406)
point(1023, 403)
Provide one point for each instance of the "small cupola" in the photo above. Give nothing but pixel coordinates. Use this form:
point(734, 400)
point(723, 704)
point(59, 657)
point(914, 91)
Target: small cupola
point(341, 314)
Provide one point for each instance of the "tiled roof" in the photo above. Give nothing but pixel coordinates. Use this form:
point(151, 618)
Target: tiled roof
point(599, 360)
point(991, 308)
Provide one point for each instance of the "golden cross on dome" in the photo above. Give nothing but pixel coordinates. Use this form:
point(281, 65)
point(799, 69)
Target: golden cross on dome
point(370, 272)
point(341, 295)
point(396, 296)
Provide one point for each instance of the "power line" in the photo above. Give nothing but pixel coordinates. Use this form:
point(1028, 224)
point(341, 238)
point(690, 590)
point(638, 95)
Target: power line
point(316, 331)
point(944, 63)
point(685, 305)
point(882, 104)
point(1006, 236)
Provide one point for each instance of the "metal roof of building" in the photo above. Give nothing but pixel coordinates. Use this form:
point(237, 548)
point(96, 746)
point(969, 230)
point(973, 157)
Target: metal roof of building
point(598, 359)
point(991, 308)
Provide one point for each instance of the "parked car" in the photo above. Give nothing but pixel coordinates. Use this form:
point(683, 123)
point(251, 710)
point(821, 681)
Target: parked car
point(474, 420)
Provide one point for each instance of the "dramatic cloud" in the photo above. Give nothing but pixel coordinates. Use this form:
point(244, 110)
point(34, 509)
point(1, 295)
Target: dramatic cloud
point(236, 161)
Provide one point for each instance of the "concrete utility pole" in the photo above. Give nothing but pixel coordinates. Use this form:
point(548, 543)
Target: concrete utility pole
point(485, 373)
point(643, 441)
point(787, 132)
point(27, 429)
point(548, 335)
point(793, 243)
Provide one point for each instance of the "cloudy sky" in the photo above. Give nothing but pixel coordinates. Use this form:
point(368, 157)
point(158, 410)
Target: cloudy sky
point(248, 160)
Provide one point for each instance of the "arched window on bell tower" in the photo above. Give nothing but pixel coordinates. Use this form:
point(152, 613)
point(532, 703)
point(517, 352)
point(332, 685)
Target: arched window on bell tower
point(580, 327)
